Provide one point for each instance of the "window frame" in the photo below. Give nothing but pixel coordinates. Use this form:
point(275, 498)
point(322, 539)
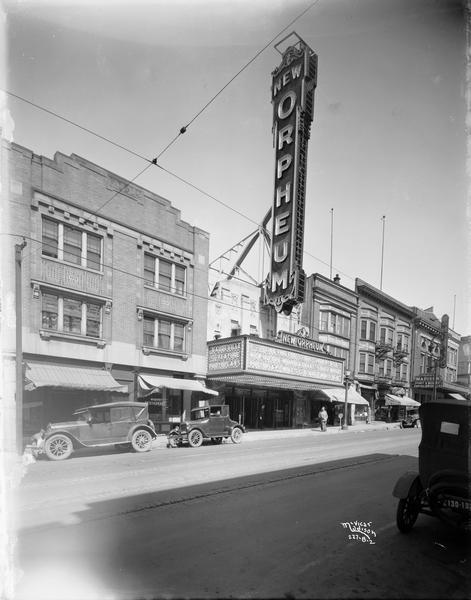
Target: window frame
point(61, 314)
point(368, 360)
point(83, 257)
point(176, 272)
point(158, 320)
point(369, 325)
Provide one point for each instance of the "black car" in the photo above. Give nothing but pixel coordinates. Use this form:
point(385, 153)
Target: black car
point(120, 424)
point(206, 423)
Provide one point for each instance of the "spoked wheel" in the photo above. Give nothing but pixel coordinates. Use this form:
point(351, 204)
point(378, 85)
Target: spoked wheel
point(236, 435)
point(407, 513)
point(195, 438)
point(58, 447)
point(141, 441)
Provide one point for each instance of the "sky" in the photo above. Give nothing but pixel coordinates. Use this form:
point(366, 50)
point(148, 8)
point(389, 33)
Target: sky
point(388, 136)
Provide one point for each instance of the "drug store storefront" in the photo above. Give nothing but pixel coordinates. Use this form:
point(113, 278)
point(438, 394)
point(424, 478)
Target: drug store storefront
point(272, 383)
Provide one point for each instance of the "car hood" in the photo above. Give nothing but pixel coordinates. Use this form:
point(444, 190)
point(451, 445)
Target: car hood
point(64, 425)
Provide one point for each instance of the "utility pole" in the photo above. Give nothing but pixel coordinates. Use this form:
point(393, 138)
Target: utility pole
point(19, 347)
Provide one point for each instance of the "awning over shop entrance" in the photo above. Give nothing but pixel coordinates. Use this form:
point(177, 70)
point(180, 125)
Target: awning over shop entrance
point(149, 383)
point(39, 375)
point(337, 395)
point(457, 397)
point(392, 400)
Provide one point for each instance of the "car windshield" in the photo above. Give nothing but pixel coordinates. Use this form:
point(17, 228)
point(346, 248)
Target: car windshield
point(82, 416)
point(199, 413)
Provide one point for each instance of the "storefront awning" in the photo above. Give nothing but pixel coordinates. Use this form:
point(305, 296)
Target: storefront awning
point(263, 381)
point(149, 383)
point(392, 400)
point(39, 375)
point(457, 396)
point(337, 395)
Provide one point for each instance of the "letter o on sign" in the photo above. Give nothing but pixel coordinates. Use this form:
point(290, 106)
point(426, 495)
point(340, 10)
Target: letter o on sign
point(286, 105)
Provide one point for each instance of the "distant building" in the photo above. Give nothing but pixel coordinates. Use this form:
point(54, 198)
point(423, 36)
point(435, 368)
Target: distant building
point(464, 363)
point(114, 288)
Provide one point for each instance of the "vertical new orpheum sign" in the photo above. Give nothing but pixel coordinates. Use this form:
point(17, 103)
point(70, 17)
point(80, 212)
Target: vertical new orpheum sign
point(293, 84)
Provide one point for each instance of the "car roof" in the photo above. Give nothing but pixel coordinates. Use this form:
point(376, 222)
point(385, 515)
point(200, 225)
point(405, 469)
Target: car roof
point(113, 405)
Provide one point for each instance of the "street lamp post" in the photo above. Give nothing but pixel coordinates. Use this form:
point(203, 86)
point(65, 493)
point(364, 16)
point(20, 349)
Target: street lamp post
point(346, 381)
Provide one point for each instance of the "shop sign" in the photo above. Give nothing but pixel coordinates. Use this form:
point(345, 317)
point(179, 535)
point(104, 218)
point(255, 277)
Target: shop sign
point(298, 341)
point(223, 357)
point(293, 84)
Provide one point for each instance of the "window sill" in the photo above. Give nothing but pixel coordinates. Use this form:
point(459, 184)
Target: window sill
point(146, 350)
point(167, 293)
point(74, 265)
point(48, 335)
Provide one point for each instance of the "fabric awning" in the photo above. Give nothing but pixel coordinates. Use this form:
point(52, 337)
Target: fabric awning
point(392, 400)
point(338, 395)
point(39, 375)
point(149, 383)
point(457, 396)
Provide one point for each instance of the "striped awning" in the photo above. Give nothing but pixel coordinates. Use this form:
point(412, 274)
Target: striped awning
point(337, 395)
point(151, 383)
point(392, 400)
point(38, 375)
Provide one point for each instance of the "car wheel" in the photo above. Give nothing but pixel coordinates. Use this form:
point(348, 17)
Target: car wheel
point(236, 435)
point(195, 438)
point(58, 447)
point(407, 513)
point(216, 440)
point(141, 441)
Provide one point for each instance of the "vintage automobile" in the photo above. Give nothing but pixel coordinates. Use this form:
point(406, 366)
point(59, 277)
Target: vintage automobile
point(206, 423)
point(442, 485)
point(411, 419)
point(125, 425)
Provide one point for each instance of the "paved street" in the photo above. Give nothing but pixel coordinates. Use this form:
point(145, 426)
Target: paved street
point(256, 520)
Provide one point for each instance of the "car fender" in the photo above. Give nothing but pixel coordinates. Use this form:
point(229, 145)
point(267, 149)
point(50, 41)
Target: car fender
point(407, 485)
point(76, 442)
point(141, 426)
point(237, 425)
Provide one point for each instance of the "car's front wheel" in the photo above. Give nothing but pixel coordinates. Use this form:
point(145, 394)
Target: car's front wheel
point(141, 441)
point(236, 435)
point(195, 438)
point(58, 447)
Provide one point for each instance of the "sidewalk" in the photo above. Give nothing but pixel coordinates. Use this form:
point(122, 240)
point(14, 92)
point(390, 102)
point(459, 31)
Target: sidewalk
point(268, 434)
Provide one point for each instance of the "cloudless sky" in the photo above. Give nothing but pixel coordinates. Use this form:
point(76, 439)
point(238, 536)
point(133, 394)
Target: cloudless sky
point(388, 136)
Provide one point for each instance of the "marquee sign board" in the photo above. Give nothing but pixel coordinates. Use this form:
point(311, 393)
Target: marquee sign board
point(293, 85)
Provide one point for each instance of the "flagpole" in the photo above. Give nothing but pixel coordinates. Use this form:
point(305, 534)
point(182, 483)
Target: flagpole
point(331, 238)
point(382, 254)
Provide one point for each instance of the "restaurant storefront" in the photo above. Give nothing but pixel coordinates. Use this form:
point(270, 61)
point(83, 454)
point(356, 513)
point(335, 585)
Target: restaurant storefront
point(272, 383)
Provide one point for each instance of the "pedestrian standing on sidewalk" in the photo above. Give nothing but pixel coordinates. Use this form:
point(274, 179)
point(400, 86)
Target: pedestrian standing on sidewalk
point(323, 418)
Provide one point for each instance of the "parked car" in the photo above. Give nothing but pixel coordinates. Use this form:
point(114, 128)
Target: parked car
point(121, 424)
point(206, 423)
point(411, 419)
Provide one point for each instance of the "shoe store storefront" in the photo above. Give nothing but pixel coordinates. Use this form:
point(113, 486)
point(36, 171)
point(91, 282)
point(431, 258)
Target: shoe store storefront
point(271, 384)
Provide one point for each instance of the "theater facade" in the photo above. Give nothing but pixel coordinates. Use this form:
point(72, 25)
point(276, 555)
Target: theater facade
point(273, 383)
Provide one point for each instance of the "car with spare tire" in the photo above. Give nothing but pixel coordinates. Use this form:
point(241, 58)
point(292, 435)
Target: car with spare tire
point(206, 423)
point(124, 425)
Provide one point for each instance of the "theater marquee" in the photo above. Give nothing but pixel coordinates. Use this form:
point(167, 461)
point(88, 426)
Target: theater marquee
point(293, 84)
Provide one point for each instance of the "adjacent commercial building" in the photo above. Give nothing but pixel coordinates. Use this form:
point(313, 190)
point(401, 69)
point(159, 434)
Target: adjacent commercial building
point(113, 288)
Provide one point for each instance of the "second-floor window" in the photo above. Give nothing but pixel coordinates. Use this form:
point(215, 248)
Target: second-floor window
point(367, 363)
point(164, 275)
point(70, 315)
point(385, 368)
point(164, 334)
point(334, 323)
point(71, 244)
point(401, 372)
point(368, 330)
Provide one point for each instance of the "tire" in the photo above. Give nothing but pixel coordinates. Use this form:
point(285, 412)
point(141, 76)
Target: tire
point(407, 513)
point(141, 441)
point(216, 440)
point(195, 438)
point(236, 435)
point(58, 447)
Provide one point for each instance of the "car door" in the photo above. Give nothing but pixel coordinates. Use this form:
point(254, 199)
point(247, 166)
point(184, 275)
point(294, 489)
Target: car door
point(122, 418)
point(100, 428)
point(216, 421)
